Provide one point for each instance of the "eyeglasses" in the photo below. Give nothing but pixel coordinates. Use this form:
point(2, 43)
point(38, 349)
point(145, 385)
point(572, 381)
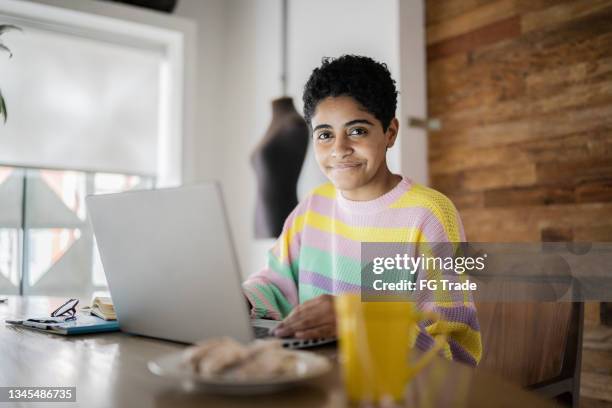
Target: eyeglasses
point(67, 310)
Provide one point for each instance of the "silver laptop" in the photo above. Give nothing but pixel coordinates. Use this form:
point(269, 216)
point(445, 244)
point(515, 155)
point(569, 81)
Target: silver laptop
point(171, 268)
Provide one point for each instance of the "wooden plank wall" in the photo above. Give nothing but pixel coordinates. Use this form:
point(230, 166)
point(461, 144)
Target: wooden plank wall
point(524, 92)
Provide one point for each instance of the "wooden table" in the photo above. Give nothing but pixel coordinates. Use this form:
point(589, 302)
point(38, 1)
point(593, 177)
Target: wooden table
point(110, 370)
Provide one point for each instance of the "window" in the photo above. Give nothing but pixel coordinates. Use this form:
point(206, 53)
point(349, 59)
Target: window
point(95, 100)
point(46, 243)
point(79, 103)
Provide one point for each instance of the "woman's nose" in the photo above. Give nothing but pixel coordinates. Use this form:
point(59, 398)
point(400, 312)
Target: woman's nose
point(341, 148)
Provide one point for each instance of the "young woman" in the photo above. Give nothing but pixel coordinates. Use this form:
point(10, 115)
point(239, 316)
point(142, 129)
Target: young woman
point(349, 104)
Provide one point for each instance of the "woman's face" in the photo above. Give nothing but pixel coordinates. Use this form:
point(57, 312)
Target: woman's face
point(350, 144)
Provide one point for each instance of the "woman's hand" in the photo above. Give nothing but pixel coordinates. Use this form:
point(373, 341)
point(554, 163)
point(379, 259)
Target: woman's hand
point(312, 319)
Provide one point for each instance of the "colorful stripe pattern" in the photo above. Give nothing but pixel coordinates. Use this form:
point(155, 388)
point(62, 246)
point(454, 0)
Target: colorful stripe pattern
point(319, 250)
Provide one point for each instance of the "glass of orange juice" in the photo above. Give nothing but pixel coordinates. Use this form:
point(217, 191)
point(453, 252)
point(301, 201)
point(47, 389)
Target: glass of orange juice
point(376, 340)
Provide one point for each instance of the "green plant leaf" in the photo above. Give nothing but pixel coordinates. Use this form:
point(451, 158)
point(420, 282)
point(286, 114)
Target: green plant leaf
point(3, 107)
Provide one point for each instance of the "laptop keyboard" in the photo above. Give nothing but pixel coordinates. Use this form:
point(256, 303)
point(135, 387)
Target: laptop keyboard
point(261, 332)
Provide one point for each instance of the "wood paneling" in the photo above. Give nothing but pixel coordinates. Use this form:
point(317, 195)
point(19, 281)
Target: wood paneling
point(526, 116)
point(446, 9)
point(478, 17)
point(523, 89)
point(560, 13)
point(488, 34)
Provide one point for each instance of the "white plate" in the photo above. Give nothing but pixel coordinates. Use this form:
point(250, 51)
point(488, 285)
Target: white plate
point(172, 366)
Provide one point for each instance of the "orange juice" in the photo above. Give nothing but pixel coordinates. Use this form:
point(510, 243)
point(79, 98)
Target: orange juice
point(376, 339)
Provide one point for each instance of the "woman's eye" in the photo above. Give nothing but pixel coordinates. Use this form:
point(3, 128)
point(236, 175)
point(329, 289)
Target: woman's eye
point(323, 136)
point(358, 132)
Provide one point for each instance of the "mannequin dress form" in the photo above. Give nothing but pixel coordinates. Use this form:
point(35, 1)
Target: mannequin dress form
point(277, 161)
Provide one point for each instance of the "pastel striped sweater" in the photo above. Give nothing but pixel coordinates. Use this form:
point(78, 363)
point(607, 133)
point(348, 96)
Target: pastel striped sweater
point(318, 253)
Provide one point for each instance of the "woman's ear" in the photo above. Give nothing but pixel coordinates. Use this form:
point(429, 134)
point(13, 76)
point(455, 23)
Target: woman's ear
point(391, 133)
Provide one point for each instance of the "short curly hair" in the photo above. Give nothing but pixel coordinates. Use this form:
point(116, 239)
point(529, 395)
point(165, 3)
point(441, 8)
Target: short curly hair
point(367, 81)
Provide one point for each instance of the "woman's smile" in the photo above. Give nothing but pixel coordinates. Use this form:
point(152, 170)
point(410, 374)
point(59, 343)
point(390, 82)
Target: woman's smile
point(347, 166)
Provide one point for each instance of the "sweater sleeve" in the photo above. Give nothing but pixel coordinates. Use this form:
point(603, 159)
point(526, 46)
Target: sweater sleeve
point(272, 292)
point(443, 233)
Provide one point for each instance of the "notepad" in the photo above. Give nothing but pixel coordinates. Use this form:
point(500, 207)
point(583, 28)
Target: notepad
point(103, 307)
point(83, 324)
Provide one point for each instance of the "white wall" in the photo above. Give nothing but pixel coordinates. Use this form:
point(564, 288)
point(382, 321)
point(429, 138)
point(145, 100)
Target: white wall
point(413, 83)
point(238, 76)
point(323, 28)
point(211, 17)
